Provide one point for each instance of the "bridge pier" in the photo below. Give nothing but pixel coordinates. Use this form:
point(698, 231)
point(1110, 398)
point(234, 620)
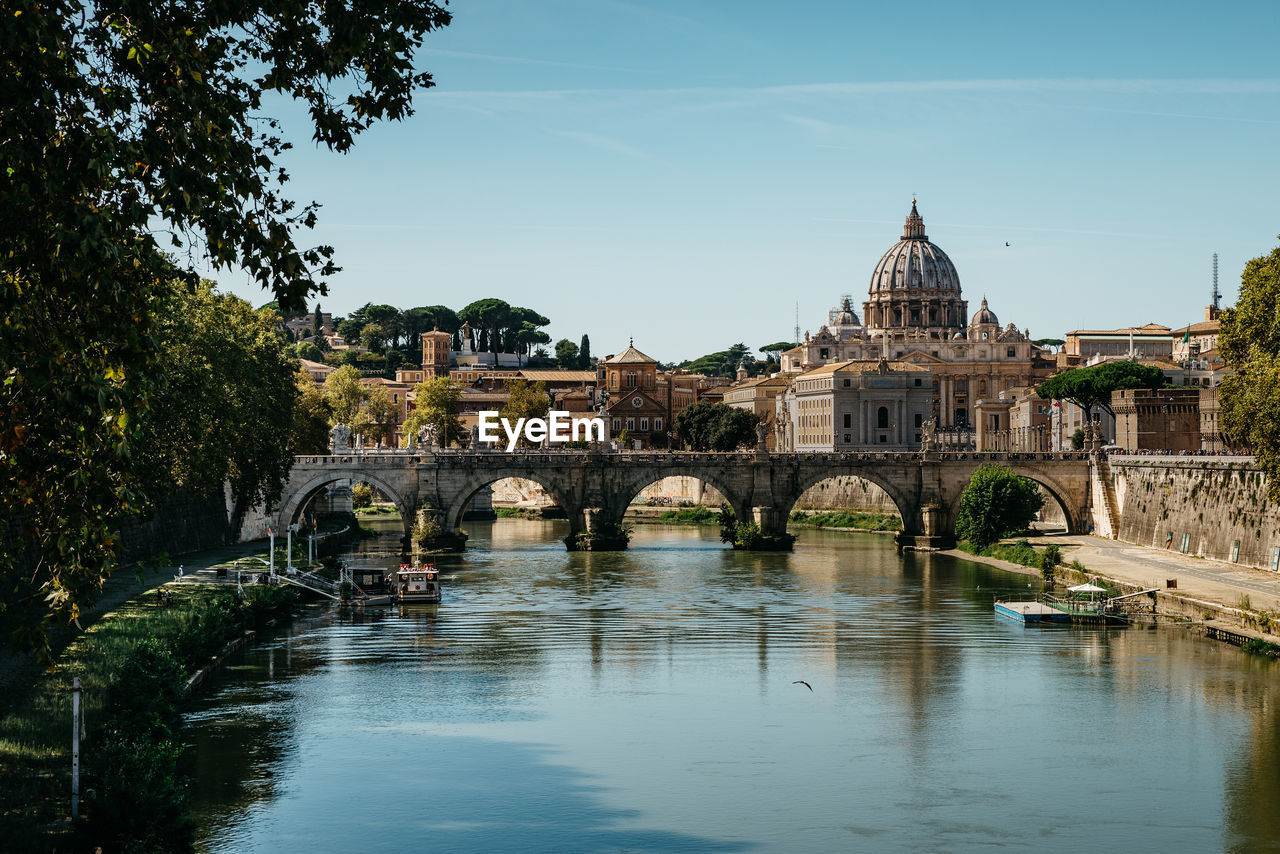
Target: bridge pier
point(600, 531)
point(929, 529)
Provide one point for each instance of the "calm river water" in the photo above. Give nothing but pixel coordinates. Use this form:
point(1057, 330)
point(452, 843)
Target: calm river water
point(645, 701)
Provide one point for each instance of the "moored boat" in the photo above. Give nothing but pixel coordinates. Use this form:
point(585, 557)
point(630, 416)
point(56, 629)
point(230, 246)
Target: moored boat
point(411, 584)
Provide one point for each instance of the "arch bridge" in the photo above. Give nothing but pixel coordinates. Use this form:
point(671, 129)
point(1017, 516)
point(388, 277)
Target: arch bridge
point(594, 488)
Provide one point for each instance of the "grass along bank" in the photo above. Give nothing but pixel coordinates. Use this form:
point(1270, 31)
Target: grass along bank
point(133, 666)
point(847, 520)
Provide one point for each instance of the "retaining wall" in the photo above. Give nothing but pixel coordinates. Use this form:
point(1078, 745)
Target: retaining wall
point(1216, 507)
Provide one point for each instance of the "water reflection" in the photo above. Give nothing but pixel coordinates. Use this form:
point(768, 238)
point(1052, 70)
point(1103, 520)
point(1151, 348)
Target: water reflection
point(645, 701)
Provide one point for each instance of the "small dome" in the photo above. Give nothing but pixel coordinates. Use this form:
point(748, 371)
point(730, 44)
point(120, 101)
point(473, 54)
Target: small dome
point(984, 316)
point(913, 263)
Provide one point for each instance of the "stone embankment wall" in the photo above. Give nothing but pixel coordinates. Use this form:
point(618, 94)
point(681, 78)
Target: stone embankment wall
point(1215, 507)
point(181, 523)
point(837, 493)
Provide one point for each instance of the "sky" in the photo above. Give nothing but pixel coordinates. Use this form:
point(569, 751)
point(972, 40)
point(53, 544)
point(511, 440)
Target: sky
point(692, 174)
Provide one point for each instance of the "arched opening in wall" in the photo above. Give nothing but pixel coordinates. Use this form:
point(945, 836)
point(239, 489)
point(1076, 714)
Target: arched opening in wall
point(516, 497)
point(368, 500)
point(1053, 517)
point(678, 499)
point(847, 501)
point(511, 511)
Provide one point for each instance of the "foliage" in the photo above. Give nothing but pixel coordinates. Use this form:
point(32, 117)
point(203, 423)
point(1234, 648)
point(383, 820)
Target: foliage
point(724, 363)
point(1049, 560)
point(123, 124)
point(584, 352)
point(1091, 387)
point(526, 400)
point(1250, 346)
point(224, 410)
point(690, 515)
point(436, 403)
point(379, 415)
point(308, 350)
point(566, 353)
point(426, 528)
point(346, 396)
point(1077, 439)
point(1049, 342)
point(996, 504)
point(310, 433)
point(361, 495)
point(849, 519)
point(710, 426)
point(777, 348)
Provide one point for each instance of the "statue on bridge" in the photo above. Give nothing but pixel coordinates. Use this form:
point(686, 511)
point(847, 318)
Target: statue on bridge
point(762, 435)
point(340, 439)
point(929, 435)
point(429, 436)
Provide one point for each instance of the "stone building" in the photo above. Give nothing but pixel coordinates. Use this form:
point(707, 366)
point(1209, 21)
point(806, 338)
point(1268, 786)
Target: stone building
point(628, 384)
point(1166, 419)
point(915, 313)
point(759, 396)
point(437, 353)
point(1090, 346)
point(1197, 338)
point(855, 405)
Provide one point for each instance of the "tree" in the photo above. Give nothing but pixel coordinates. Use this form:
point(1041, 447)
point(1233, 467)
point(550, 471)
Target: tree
point(584, 352)
point(123, 125)
point(1091, 387)
point(317, 324)
point(436, 403)
point(224, 410)
point(566, 353)
point(525, 400)
point(310, 434)
point(1249, 343)
point(776, 349)
point(724, 363)
point(996, 503)
point(708, 426)
point(490, 316)
point(379, 415)
point(346, 396)
point(309, 351)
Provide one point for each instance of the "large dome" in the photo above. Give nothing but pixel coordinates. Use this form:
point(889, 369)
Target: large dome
point(914, 264)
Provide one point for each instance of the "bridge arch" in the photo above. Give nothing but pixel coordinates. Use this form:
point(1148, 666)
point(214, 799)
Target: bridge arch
point(292, 505)
point(629, 487)
point(454, 505)
point(1057, 491)
point(807, 479)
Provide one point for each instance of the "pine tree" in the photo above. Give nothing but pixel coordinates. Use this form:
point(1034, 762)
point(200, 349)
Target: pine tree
point(584, 352)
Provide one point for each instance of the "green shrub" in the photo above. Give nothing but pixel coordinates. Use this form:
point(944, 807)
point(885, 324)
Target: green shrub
point(997, 503)
point(361, 495)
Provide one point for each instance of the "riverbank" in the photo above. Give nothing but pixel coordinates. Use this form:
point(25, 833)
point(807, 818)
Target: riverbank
point(135, 666)
point(1213, 594)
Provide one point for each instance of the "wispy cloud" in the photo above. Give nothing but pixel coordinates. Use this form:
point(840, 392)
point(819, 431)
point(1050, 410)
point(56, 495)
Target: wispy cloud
point(606, 143)
point(1135, 85)
point(522, 60)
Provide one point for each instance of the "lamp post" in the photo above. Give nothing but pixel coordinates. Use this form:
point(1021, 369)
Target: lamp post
point(271, 532)
point(288, 552)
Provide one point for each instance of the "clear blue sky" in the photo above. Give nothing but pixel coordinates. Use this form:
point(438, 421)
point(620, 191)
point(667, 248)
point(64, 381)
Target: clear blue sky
point(685, 173)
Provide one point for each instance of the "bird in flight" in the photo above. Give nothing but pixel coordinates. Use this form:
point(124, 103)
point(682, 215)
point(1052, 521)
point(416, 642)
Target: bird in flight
point(1006, 243)
point(804, 683)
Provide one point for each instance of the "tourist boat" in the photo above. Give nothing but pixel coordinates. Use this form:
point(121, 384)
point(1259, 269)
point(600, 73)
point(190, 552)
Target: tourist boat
point(416, 584)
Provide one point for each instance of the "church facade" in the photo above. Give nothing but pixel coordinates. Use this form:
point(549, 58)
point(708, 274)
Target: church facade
point(915, 314)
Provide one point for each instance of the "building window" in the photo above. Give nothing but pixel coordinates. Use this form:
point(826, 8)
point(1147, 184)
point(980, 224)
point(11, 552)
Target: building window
point(1010, 352)
point(822, 353)
point(846, 382)
point(631, 425)
point(657, 425)
point(919, 382)
point(846, 438)
point(637, 402)
point(919, 420)
point(617, 424)
point(884, 440)
point(882, 418)
point(644, 425)
point(848, 422)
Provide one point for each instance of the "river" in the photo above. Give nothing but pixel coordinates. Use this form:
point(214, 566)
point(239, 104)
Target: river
point(647, 701)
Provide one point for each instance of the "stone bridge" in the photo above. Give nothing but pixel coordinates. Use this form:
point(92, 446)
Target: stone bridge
point(594, 488)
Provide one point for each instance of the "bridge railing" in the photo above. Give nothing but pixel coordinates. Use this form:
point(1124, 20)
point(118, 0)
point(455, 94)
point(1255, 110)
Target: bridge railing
point(501, 458)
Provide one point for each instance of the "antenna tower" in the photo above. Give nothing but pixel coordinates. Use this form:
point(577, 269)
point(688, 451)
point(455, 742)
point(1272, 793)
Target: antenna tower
point(1216, 295)
point(795, 332)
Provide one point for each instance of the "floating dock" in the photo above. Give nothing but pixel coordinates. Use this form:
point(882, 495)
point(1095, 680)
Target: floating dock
point(1031, 612)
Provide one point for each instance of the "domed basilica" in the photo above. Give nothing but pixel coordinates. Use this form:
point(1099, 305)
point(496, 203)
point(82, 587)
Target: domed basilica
point(916, 317)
